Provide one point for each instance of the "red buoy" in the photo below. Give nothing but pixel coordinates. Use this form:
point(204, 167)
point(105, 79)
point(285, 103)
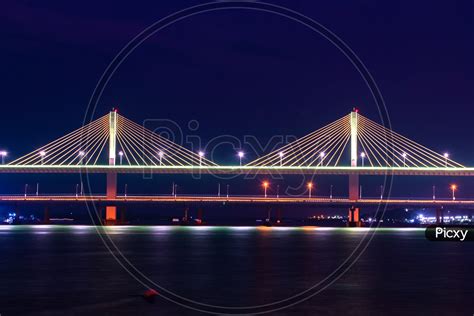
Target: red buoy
point(150, 295)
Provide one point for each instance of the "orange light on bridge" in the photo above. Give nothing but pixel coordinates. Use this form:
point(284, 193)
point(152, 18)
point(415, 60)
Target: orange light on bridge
point(310, 187)
point(265, 186)
point(453, 189)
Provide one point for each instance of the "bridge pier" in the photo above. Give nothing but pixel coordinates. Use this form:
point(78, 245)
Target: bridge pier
point(110, 215)
point(46, 215)
point(354, 217)
point(111, 194)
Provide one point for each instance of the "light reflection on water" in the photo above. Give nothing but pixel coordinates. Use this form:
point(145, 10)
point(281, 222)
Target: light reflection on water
point(230, 266)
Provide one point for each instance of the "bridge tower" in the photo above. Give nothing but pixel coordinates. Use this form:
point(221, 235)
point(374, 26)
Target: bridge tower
point(354, 178)
point(111, 211)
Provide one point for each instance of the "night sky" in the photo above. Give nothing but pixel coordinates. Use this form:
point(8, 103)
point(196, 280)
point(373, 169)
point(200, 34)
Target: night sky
point(238, 72)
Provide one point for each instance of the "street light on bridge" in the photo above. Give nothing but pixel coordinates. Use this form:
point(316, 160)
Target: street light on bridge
point(3, 153)
point(362, 156)
point(453, 189)
point(81, 155)
point(42, 155)
point(201, 154)
point(281, 154)
point(321, 155)
point(265, 186)
point(121, 156)
point(404, 155)
point(310, 187)
point(160, 156)
point(446, 156)
point(241, 155)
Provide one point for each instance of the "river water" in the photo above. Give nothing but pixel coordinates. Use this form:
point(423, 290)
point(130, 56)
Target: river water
point(65, 270)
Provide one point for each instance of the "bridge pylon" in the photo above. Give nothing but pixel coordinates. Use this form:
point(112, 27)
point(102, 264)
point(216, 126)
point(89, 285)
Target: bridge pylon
point(354, 178)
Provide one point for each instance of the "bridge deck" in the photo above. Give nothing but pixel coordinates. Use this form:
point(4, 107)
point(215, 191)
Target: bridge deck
point(237, 199)
point(233, 170)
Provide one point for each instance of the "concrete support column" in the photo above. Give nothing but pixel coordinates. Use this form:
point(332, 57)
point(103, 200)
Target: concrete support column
point(110, 215)
point(46, 215)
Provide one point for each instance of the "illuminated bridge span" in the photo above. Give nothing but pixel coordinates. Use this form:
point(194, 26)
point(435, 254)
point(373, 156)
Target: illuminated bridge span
point(239, 200)
point(352, 145)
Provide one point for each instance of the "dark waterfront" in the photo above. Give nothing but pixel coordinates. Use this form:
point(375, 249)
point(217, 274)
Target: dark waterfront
point(67, 270)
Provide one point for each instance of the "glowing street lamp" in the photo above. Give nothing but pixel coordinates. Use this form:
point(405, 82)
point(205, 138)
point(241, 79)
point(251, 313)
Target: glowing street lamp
point(241, 155)
point(453, 189)
point(446, 156)
point(201, 154)
point(42, 155)
point(362, 156)
point(81, 155)
point(121, 156)
point(310, 187)
point(404, 155)
point(265, 186)
point(281, 154)
point(3, 154)
point(321, 155)
point(160, 156)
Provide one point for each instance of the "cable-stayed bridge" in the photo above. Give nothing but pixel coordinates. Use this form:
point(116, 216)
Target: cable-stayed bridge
point(353, 145)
